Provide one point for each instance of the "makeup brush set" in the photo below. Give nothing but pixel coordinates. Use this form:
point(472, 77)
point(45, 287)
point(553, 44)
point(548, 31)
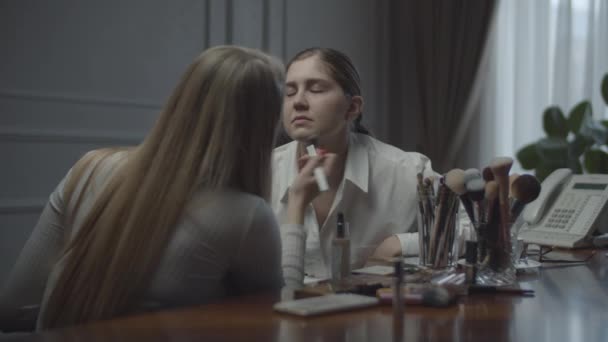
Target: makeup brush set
point(492, 199)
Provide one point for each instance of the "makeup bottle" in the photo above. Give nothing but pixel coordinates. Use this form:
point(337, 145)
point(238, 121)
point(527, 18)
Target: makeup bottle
point(340, 250)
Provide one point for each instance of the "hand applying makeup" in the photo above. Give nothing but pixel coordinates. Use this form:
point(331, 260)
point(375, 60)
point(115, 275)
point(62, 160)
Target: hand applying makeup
point(304, 188)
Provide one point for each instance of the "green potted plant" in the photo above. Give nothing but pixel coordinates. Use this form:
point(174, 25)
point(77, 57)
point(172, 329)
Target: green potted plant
point(577, 142)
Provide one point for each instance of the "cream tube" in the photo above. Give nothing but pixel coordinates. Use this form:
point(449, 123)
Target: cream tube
point(318, 171)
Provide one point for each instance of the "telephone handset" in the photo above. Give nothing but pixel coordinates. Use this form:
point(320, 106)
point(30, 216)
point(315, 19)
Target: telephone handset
point(568, 210)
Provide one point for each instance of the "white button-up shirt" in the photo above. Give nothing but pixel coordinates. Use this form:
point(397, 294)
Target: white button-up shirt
point(377, 196)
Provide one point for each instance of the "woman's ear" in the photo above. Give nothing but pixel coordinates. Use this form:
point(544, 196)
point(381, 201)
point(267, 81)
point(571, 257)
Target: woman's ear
point(355, 108)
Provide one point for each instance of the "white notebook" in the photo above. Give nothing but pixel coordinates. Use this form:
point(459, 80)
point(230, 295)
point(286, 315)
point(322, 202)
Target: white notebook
point(376, 270)
point(325, 304)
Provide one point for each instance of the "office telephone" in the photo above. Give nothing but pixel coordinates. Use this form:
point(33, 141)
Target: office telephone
point(568, 210)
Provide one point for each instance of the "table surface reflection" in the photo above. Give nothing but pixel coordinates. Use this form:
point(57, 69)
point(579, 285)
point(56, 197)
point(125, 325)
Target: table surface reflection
point(570, 304)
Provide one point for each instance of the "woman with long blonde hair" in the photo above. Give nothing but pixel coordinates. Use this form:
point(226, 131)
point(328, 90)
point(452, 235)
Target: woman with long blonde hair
point(177, 220)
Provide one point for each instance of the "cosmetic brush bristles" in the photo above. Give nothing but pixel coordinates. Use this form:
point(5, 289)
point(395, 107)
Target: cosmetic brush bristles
point(470, 174)
point(525, 189)
point(455, 180)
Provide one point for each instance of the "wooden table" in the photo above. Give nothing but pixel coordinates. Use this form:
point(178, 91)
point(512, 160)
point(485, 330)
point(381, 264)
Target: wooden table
point(571, 304)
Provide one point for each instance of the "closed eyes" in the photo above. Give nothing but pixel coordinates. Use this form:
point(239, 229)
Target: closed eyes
point(315, 86)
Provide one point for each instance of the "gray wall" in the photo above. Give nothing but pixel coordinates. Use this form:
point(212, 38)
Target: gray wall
point(80, 74)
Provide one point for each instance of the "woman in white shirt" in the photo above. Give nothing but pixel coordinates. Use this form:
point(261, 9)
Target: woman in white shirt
point(176, 221)
point(372, 183)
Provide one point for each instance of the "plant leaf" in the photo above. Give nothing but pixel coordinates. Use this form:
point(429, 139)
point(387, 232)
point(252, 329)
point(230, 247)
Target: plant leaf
point(575, 118)
point(605, 89)
point(555, 123)
point(578, 146)
point(593, 129)
point(596, 161)
point(553, 151)
point(575, 166)
point(527, 157)
point(545, 169)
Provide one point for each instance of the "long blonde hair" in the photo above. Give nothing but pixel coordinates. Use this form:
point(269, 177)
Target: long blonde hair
point(215, 132)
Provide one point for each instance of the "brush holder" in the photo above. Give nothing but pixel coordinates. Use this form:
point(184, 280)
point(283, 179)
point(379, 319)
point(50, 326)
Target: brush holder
point(439, 233)
point(495, 254)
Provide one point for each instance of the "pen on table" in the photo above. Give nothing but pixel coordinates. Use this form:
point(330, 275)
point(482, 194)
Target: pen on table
point(473, 289)
point(318, 171)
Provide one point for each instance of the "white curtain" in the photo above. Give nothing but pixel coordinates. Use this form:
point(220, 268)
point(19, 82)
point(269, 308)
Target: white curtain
point(539, 53)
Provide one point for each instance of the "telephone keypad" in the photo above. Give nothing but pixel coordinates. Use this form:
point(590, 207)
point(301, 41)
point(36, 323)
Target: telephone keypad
point(564, 217)
point(559, 219)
